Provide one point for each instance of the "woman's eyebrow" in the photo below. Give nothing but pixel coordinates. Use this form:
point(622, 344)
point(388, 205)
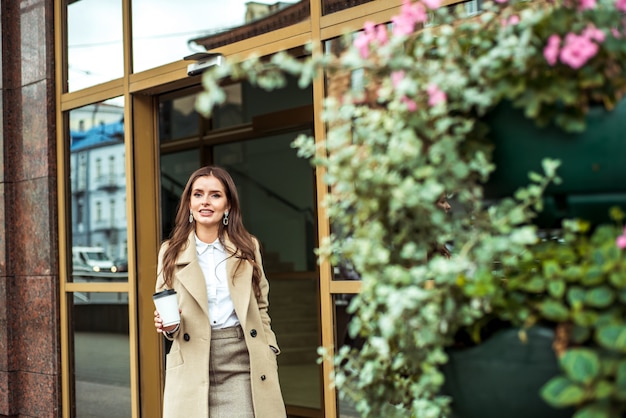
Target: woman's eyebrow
point(203, 191)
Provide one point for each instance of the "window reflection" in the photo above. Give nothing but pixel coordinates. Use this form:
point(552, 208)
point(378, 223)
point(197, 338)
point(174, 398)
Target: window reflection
point(277, 207)
point(101, 355)
point(98, 193)
point(166, 31)
point(175, 170)
point(94, 42)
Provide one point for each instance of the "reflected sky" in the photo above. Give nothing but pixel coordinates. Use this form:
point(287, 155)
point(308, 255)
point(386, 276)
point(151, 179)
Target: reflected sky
point(161, 28)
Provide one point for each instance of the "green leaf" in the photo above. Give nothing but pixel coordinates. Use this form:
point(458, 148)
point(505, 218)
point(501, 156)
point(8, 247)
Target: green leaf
point(556, 288)
point(595, 410)
point(581, 365)
point(600, 297)
point(535, 285)
point(551, 269)
point(535, 177)
point(573, 273)
point(612, 336)
point(593, 276)
point(554, 310)
point(619, 280)
point(560, 391)
point(585, 318)
point(603, 389)
point(576, 296)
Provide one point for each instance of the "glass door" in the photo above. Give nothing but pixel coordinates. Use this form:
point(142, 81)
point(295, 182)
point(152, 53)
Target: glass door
point(277, 194)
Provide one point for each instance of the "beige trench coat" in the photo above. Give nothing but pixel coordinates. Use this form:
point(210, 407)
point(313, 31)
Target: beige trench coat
point(187, 364)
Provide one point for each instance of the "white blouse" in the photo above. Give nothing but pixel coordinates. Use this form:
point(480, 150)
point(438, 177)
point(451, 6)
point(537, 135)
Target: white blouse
point(212, 259)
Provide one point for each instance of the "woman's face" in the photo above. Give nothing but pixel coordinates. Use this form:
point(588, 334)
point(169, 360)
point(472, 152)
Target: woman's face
point(208, 202)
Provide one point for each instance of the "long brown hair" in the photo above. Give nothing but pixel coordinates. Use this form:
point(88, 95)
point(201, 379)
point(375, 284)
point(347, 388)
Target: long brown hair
point(237, 233)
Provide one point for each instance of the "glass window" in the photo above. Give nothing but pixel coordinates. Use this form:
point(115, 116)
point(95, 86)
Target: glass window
point(166, 31)
point(98, 193)
point(101, 355)
point(175, 171)
point(231, 112)
point(276, 207)
point(178, 118)
point(94, 42)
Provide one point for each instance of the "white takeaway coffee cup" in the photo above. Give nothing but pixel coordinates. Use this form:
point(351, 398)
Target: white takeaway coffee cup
point(167, 305)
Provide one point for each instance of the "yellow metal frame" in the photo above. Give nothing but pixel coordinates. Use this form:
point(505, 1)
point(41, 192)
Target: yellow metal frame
point(142, 169)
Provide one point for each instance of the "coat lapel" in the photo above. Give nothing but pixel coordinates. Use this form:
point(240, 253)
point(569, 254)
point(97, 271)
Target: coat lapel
point(239, 281)
point(190, 274)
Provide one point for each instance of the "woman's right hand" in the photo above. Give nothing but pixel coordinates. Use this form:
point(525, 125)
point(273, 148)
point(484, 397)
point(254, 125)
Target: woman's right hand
point(158, 324)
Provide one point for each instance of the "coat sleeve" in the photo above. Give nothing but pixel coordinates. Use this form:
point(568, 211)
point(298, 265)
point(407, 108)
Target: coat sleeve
point(263, 302)
point(160, 285)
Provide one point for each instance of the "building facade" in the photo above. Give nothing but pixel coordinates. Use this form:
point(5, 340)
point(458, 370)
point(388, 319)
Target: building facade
point(98, 136)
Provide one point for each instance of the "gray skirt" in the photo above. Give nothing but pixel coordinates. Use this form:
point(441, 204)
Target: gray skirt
point(230, 394)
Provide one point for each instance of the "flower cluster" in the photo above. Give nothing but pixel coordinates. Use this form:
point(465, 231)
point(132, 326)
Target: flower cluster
point(555, 60)
point(576, 50)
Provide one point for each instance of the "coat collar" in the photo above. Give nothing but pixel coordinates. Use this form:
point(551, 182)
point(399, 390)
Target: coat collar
point(239, 275)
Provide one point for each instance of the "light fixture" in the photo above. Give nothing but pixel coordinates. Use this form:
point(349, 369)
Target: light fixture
point(203, 61)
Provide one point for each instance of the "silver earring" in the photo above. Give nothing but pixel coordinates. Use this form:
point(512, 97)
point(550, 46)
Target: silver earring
point(190, 216)
point(225, 219)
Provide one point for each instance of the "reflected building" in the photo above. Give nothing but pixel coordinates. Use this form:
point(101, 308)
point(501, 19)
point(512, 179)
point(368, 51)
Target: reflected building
point(98, 179)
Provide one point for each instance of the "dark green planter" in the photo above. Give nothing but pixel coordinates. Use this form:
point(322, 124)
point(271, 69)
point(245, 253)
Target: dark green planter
point(502, 377)
point(593, 162)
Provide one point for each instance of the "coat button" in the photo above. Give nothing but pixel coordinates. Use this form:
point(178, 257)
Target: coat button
point(263, 377)
point(253, 333)
point(186, 337)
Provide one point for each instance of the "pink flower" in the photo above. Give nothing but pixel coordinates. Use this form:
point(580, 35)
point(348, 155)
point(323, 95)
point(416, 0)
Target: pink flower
point(512, 20)
point(435, 95)
point(593, 33)
point(616, 33)
point(362, 43)
point(397, 77)
point(587, 4)
point(621, 240)
point(381, 34)
point(410, 14)
point(370, 33)
point(410, 104)
point(500, 1)
point(432, 4)
point(551, 51)
point(578, 49)
point(621, 5)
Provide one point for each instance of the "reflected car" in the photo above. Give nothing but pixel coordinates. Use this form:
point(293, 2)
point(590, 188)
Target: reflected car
point(121, 264)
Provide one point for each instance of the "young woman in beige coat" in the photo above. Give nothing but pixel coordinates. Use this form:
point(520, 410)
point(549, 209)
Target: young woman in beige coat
point(222, 363)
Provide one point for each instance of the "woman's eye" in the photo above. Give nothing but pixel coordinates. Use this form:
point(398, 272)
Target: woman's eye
point(215, 195)
point(197, 195)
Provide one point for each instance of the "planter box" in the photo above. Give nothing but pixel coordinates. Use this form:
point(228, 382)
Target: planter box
point(502, 377)
point(593, 165)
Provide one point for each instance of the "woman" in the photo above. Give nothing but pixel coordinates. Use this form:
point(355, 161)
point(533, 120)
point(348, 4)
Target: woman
point(222, 362)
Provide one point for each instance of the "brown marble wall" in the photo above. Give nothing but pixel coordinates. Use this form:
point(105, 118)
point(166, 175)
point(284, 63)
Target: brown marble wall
point(30, 370)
